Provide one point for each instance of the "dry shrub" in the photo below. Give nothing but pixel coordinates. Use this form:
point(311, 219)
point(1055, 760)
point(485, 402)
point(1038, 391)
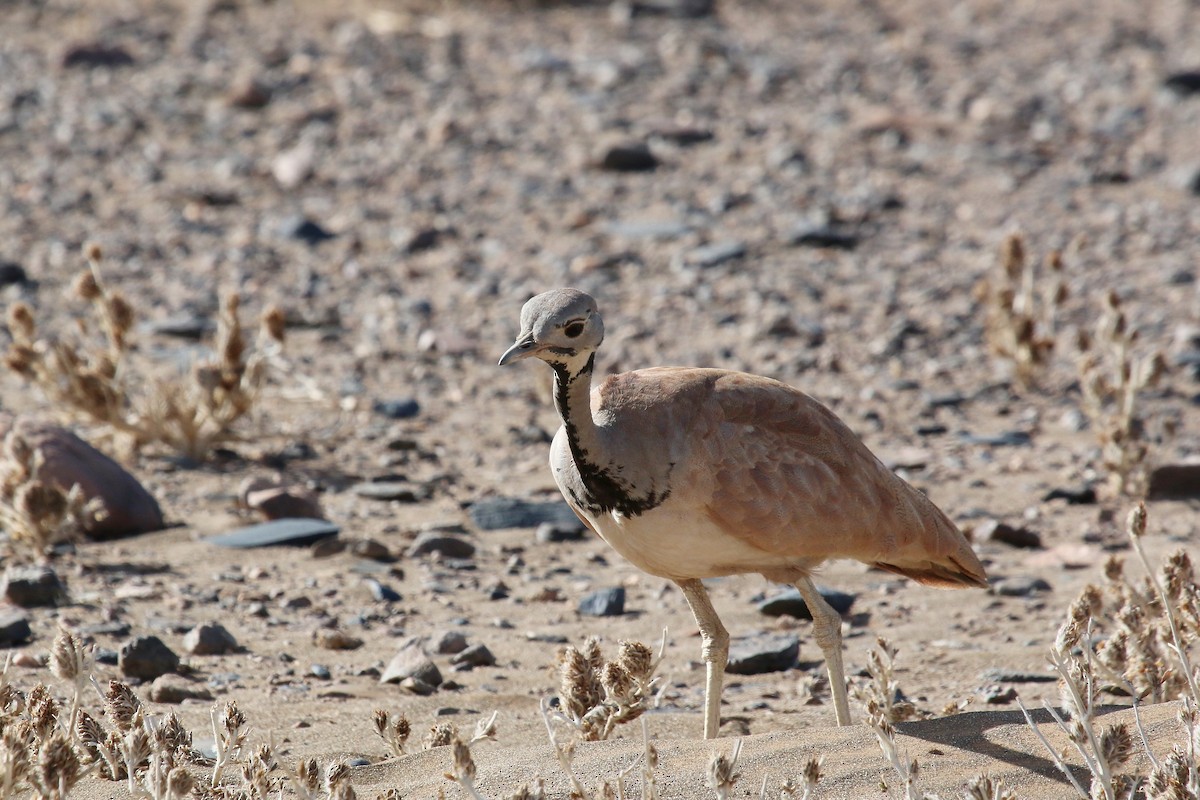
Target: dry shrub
point(1021, 304)
point(36, 514)
point(95, 376)
point(1112, 375)
point(596, 695)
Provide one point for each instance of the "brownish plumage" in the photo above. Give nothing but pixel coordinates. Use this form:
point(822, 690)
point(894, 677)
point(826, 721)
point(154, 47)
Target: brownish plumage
point(697, 473)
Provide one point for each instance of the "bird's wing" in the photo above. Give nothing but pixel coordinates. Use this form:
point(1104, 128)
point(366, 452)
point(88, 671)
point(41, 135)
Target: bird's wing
point(774, 467)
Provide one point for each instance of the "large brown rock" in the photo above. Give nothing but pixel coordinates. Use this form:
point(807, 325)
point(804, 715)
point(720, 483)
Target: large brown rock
point(70, 460)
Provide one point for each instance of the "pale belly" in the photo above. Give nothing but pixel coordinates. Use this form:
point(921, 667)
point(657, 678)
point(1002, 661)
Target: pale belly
point(679, 543)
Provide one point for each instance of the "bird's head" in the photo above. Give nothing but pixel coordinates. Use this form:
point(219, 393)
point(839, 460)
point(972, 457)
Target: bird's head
point(561, 327)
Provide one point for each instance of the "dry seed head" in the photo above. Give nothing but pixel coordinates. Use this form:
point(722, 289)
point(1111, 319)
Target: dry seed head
point(43, 711)
point(172, 735)
point(232, 719)
point(20, 359)
point(616, 680)
point(274, 323)
point(309, 774)
point(40, 502)
point(464, 765)
point(721, 774)
point(1135, 523)
point(1012, 255)
point(68, 659)
point(1116, 744)
point(180, 783)
point(122, 704)
point(440, 735)
point(812, 771)
point(121, 314)
point(336, 775)
point(380, 720)
point(86, 286)
point(1114, 569)
point(637, 659)
point(58, 764)
point(92, 251)
point(20, 322)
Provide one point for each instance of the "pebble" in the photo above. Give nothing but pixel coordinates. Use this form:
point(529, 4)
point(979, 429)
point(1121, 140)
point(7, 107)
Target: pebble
point(791, 603)
point(1005, 439)
point(995, 695)
point(381, 592)
point(634, 157)
point(411, 662)
point(320, 672)
point(1185, 82)
point(14, 628)
point(449, 546)
point(209, 639)
point(33, 587)
point(12, 272)
point(1084, 496)
point(558, 532)
point(293, 167)
point(358, 761)
point(290, 532)
point(497, 590)
point(763, 653)
point(92, 55)
point(604, 603)
point(416, 241)
point(285, 502)
point(509, 512)
point(185, 326)
point(822, 235)
point(304, 229)
point(1002, 675)
point(1174, 482)
point(401, 408)
point(248, 93)
point(390, 490)
point(1019, 586)
point(710, 255)
point(682, 135)
point(416, 686)
point(648, 229)
point(336, 640)
point(449, 643)
point(477, 655)
point(146, 657)
point(174, 689)
point(371, 549)
point(993, 530)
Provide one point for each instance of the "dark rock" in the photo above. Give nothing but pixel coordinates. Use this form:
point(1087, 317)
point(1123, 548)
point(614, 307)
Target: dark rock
point(1001, 675)
point(681, 9)
point(1019, 586)
point(1075, 497)
point(998, 695)
point(1185, 82)
point(629, 158)
point(69, 461)
point(371, 549)
point(558, 532)
point(411, 662)
point(497, 590)
point(106, 656)
point(173, 689)
point(448, 546)
point(186, 326)
point(336, 640)
point(993, 530)
point(249, 93)
point(477, 655)
point(320, 672)
point(604, 603)
point(381, 591)
point(509, 512)
point(31, 587)
point(285, 502)
point(209, 639)
point(710, 255)
point(402, 408)
point(1006, 439)
point(280, 532)
point(11, 272)
point(822, 235)
point(682, 135)
point(117, 629)
point(759, 654)
point(450, 642)
point(414, 685)
point(90, 55)
point(14, 628)
point(934, 429)
point(417, 241)
point(791, 603)
point(305, 230)
point(146, 657)
point(391, 490)
point(1174, 482)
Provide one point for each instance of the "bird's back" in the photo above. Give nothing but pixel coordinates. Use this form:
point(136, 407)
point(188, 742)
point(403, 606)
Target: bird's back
point(772, 467)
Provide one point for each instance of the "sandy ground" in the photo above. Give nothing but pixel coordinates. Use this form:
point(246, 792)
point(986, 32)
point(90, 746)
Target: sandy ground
point(925, 130)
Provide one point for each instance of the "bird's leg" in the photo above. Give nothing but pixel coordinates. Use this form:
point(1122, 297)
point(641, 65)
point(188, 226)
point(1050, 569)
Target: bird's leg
point(714, 651)
point(827, 630)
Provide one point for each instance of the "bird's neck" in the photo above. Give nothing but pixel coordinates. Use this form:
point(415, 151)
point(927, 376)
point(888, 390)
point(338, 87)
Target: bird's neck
point(573, 399)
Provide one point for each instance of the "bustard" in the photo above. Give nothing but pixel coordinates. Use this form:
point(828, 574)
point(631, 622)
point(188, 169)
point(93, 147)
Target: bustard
point(696, 473)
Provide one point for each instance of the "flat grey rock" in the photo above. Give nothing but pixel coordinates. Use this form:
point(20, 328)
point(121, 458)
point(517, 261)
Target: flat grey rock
point(209, 639)
point(450, 642)
point(1020, 587)
point(604, 603)
point(32, 587)
point(449, 546)
point(648, 229)
point(477, 655)
point(1174, 482)
point(1002, 675)
point(280, 532)
point(791, 603)
point(761, 654)
point(14, 628)
point(411, 662)
point(710, 255)
point(511, 512)
point(993, 530)
point(146, 657)
point(174, 689)
point(389, 490)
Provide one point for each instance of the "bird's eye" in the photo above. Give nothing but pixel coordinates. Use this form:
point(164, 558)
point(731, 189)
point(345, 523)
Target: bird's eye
point(573, 329)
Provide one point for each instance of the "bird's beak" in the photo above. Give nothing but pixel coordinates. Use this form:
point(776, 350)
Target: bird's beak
point(524, 347)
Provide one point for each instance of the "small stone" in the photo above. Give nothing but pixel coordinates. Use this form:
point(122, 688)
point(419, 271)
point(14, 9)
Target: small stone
point(998, 695)
point(498, 513)
point(994, 530)
point(186, 326)
point(648, 229)
point(305, 230)
point(1001, 675)
point(1174, 482)
point(711, 255)
point(320, 672)
point(417, 241)
point(402, 408)
point(336, 640)
point(390, 490)
point(328, 547)
point(629, 158)
point(414, 685)
point(759, 654)
point(12, 272)
point(14, 628)
point(285, 502)
point(249, 93)
point(293, 167)
point(1005, 439)
point(90, 55)
point(174, 689)
point(1185, 82)
point(146, 657)
point(27, 660)
point(32, 587)
point(290, 532)
point(604, 603)
point(1019, 586)
point(477, 655)
point(1084, 496)
point(791, 603)
point(448, 546)
point(209, 639)
point(370, 549)
point(822, 235)
point(557, 532)
point(449, 643)
point(411, 662)
point(682, 135)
